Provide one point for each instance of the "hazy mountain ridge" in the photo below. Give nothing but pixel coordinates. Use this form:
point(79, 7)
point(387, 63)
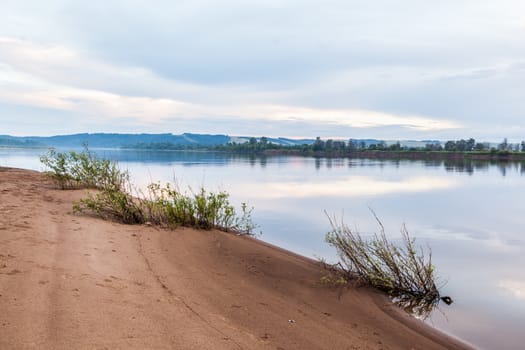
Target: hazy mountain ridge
point(118, 140)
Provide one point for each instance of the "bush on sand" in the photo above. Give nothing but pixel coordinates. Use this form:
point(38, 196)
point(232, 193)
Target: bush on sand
point(404, 272)
point(114, 197)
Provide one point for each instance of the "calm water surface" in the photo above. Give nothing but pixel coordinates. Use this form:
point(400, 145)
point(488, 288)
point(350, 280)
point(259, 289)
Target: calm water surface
point(471, 215)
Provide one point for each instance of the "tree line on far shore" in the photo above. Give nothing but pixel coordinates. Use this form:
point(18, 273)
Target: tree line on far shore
point(339, 146)
point(332, 147)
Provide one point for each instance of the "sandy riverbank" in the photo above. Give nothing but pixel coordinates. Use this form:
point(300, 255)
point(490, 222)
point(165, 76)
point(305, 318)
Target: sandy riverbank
point(76, 282)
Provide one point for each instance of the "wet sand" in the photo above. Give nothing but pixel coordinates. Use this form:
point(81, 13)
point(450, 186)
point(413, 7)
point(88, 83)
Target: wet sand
point(77, 282)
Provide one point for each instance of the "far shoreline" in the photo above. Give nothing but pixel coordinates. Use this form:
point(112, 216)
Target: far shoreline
point(493, 156)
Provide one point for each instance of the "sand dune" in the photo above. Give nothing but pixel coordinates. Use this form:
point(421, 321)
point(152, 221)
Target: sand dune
point(77, 282)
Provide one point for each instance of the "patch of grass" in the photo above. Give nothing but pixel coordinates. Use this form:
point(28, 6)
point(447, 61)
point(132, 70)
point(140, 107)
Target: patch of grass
point(402, 271)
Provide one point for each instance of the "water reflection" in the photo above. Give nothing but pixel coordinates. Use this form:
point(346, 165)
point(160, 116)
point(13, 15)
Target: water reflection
point(318, 163)
point(421, 308)
point(197, 158)
point(516, 288)
point(352, 186)
point(467, 166)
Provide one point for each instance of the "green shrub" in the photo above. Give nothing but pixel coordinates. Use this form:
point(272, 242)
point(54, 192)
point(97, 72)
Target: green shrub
point(113, 204)
point(81, 170)
point(169, 206)
point(116, 198)
point(244, 222)
point(404, 272)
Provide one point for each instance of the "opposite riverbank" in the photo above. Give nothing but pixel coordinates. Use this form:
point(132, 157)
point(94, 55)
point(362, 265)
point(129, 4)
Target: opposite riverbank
point(402, 155)
point(70, 281)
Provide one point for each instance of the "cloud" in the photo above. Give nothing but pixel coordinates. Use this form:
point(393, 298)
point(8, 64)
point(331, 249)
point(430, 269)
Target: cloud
point(145, 109)
point(97, 104)
point(353, 118)
point(50, 73)
point(350, 69)
point(63, 65)
point(283, 43)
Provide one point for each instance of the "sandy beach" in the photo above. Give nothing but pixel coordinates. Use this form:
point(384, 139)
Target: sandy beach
point(76, 282)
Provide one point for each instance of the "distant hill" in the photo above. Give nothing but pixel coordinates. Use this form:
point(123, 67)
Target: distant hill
point(103, 140)
point(10, 141)
point(114, 140)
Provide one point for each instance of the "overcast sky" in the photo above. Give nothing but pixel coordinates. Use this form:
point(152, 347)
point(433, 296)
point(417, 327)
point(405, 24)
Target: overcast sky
point(407, 69)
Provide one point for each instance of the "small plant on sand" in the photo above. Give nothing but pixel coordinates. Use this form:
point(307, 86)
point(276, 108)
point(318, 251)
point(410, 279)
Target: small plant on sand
point(404, 272)
point(170, 206)
point(244, 223)
point(114, 201)
point(80, 169)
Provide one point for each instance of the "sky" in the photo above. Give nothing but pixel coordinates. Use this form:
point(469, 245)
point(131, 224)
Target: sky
point(406, 69)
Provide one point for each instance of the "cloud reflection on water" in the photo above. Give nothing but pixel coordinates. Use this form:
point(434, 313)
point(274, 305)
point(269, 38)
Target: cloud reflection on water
point(515, 287)
point(352, 186)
